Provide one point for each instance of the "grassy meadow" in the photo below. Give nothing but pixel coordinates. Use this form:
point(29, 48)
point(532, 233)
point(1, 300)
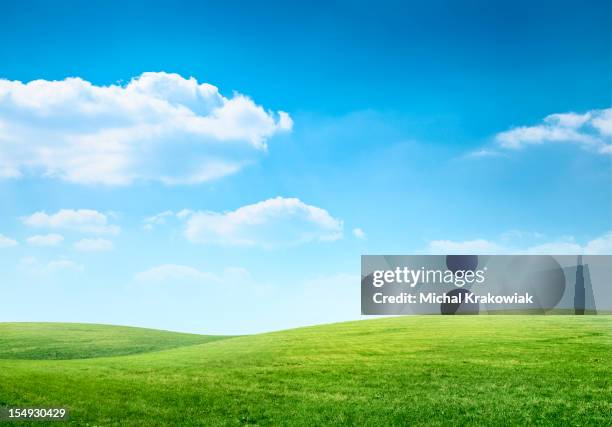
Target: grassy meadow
point(414, 370)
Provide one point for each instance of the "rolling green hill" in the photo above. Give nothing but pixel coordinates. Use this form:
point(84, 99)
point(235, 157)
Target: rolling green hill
point(500, 370)
point(83, 341)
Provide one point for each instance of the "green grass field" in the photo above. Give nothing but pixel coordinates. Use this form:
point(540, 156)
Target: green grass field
point(494, 370)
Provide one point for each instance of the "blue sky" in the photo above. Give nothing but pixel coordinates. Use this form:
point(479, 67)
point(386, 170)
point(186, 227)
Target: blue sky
point(335, 130)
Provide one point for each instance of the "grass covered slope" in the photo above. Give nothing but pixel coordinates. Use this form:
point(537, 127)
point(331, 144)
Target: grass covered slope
point(508, 370)
point(82, 341)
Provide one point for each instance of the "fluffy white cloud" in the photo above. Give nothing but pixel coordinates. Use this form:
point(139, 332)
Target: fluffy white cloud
point(359, 233)
point(271, 223)
point(82, 220)
point(52, 239)
point(174, 274)
point(591, 130)
point(93, 245)
point(159, 126)
point(565, 246)
point(7, 242)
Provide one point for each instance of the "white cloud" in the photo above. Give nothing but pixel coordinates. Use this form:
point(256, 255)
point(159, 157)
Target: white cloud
point(27, 262)
point(7, 242)
point(359, 233)
point(175, 274)
point(477, 246)
point(82, 220)
point(512, 235)
point(591, 130)
point(556, 248)
point(159, 219)
point(484, 152)
point(93, 245)
point(184, 213)
point(33, 266)
point(270, 223)
point(564, 246)
point(568, 120)
point(159, 126)
point(62, 265)
point(599, 246)
point(52, 239)
point(603, 122)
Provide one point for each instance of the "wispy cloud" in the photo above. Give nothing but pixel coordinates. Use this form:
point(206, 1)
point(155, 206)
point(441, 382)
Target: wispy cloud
point(52, 239)
point(484, 152)
point(160, 126)
point(81, 220)
point(176, 274)
point(159, 219)
point(93, 245)
point(566, 245)
point(359, 233)
point(35, 267)
point(476, 246)
point(64, 264)
point(7, 242)
point(591, 130)
point(271, 223)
